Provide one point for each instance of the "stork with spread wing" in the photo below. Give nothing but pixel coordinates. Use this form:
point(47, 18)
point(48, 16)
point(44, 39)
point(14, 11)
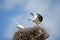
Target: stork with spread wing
point(37, 18)
point(20, 27)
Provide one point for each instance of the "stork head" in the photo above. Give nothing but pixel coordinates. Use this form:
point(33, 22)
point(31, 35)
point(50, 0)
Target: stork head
point(35, 14)
point(40, 17)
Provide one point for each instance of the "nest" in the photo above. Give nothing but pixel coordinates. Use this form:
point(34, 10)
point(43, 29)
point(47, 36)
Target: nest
point(34, 33)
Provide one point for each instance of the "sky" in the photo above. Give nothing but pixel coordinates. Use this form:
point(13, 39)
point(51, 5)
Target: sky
point(13, 11)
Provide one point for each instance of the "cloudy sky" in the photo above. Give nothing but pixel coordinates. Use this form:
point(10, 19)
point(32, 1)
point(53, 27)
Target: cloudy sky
point(13, 11)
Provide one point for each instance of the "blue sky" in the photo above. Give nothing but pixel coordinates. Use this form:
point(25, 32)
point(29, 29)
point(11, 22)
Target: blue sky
point(12, 11)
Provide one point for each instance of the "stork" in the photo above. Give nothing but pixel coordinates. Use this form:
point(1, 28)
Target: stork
point(20, 27)
point(37, 18)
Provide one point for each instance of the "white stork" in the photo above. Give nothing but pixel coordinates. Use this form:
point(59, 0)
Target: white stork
point(37, 18)
point(20, 27)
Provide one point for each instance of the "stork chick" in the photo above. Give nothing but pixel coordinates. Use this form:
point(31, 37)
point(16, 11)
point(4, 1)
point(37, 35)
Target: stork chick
point(20, 27)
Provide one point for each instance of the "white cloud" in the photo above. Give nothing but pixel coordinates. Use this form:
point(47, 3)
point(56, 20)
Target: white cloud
point(11, 3)
point(37, 5)
point(8, 4)
point(52, 28)
point(52, 22)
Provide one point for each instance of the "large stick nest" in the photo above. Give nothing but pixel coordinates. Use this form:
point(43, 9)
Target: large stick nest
point(34, 33)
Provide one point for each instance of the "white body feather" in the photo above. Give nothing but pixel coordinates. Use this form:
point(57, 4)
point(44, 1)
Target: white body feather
point(19, 26)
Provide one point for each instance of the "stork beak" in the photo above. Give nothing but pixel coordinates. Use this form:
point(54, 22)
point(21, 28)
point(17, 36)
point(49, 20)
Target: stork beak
point(32, 14)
